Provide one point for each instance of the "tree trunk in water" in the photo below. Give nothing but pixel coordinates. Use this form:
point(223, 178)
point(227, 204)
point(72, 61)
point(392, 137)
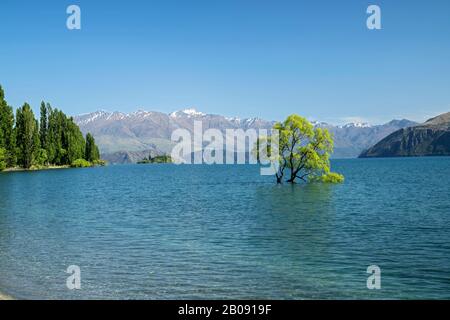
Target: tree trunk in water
point(293, 176)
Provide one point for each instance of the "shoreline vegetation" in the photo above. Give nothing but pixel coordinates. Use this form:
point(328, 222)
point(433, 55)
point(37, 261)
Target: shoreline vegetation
point(35, 168)
point(75, 164)
point(157, 159)
point(53, 142)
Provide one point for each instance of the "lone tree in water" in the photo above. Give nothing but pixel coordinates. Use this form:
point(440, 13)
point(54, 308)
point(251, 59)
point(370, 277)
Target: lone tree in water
point(303, 150)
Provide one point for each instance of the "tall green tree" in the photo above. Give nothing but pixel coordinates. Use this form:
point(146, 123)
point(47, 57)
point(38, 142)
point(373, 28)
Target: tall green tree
point(55, 140)
point(65, 141)
point(7, 141)
point(55, 151)
point(43, 126)
point(2, 159)
point(27, 136)
point(92, 153)
point(303, 152)
point(74, 143)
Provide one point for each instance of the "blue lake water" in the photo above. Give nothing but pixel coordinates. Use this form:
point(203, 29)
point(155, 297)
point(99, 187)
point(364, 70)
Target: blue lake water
point(188, 232)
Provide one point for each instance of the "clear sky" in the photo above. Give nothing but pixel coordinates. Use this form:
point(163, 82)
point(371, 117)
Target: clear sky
point(237, 58)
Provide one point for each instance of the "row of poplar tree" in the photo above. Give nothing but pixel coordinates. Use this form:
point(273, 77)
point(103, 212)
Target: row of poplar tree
point(54, 140)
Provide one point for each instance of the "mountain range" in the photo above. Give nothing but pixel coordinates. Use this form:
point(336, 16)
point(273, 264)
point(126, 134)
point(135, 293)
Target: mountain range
point(431, 138)
point(129, 137)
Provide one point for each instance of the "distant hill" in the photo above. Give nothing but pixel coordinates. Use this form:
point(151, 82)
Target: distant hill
point(124, 138)
point(147, 130)
point(431, 138)
point(351, 139)
point(129, 156)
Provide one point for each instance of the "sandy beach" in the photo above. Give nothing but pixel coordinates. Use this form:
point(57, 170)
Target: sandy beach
point(5, 297)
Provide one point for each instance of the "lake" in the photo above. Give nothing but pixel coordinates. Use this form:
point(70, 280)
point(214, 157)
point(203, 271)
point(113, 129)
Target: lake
point(222, 232)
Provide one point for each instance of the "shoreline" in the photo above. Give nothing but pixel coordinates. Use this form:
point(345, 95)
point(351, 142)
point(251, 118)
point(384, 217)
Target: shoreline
point(4, 297)
point(35, 169)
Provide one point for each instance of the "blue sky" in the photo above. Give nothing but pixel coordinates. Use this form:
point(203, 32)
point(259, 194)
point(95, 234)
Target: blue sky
point(238, 58)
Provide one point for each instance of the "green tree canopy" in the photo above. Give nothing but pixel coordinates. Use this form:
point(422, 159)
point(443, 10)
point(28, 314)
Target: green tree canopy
point(55, 140)
point(27, 136)
point(2, 159)
point(7, 141)
point(43, 127)
point(65, 142)
point(91, 152)
point(303, 151)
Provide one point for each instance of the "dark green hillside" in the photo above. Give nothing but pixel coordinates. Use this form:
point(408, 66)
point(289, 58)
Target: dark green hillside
point(431, 138)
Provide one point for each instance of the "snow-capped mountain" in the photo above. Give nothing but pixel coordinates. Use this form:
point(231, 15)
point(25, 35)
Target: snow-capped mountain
point(319, 124)
point(124, 136)
point(191, 112)
point(151, 130)
point(356, 125)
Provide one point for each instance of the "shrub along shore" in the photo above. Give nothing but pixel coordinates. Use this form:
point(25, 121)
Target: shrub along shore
point(52, 143)
point(35, 168)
